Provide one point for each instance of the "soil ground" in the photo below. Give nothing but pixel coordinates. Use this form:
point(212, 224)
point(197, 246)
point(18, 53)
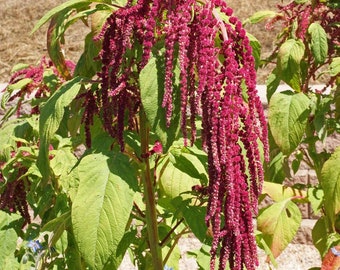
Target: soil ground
point(19, 46)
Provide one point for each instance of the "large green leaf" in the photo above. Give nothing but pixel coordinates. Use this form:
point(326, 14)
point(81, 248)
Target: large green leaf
point(288, 114)
point(8, 241)
point(51, 116)
point(319, 44)
point(174, 182)
point(279, 223)
point(102, 207)
point(330, 182)
point(290, 55)
point(152, 91)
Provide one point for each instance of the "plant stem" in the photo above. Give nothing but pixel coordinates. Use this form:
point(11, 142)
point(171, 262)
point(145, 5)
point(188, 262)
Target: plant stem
point(149, 196)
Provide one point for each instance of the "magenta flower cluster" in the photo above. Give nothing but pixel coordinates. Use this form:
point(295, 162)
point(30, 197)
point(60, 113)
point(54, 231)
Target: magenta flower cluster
point(37, 85)
point(217, 84)
point(13, 197)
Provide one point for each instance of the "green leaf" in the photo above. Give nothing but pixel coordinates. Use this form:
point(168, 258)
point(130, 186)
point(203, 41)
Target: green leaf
point(173, 260)
point(19, 85)
point(175, 182)
point(55, 36)
point(315, 197)
point(334, 67)
point(86, 66)
point(256, 46)
point(301, 1)
point(16, 128)
point(279, 223)
point(102, 206)
point(195, 218)
point(275, 170)
point(289, 56)
point(287, 116)
point(319, 236)
point(50, 119)
point(73, 258)
point(189, 164)
point(260, 16)
point(57, 227)
point(152, 89)
point(67, 5)
point(8, 241)
point(261, 243)
point(272, 83)
point(280, 192)
point(63, 161)
point(203, 257)
point(319, 44)
point(18, 67)
point(330, 183)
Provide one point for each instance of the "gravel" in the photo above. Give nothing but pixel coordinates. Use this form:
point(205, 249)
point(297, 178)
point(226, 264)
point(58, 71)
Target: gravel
point(294, 257)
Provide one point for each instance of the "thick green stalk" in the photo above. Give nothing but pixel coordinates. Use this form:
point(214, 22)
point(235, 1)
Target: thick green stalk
point(149, 196)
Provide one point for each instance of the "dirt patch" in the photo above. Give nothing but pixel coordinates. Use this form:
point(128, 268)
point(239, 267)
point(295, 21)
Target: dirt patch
point(19, 46)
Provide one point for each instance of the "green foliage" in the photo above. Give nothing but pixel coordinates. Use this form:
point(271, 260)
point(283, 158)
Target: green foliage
point(101, 208)
point(279, 223)
point(152, 90)
point(51, 116)
point(8, 243)
point(300, 122)
point(319, 43)
point(289, 59)
point(288, 115)
point(330, 182)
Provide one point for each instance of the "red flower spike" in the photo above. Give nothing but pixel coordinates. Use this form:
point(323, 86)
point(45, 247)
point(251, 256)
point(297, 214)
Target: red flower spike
point(212, 80)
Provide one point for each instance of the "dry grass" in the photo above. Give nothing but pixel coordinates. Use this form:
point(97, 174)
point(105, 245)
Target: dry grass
point(18, 18)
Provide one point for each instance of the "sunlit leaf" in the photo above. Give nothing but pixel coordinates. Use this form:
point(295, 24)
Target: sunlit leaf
point(280, 192)
point(319, 43)
point(152, 90)
point(330, 182)
point(290, 55)
point(335, 66)
point(272, 83)
point(315, 197)
point(288, 114)
point(8, 241)
point(279, 223)
point(67, 5)
point(57, 227)
point(51, 116)
point(102, 206)
point(260, 16)
point(20, 84)
point(175, 182)
point(256, 49)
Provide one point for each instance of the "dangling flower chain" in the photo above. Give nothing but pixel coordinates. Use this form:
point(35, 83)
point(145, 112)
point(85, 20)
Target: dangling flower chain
point(217, 83)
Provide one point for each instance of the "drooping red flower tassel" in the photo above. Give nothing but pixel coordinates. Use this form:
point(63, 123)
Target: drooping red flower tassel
point(217, 83)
